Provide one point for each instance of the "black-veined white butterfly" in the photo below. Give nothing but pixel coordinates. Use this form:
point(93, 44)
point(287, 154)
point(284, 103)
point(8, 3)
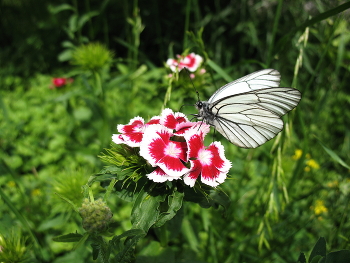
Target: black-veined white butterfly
point(248, 110)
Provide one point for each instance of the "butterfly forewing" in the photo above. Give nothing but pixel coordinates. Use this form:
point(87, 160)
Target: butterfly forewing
point(262, 79)
point(247, 111)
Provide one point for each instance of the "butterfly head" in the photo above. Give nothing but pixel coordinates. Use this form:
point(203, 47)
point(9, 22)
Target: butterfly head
point(204, 112)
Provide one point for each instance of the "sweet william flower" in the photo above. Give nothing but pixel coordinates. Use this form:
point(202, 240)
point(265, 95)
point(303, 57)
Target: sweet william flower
point(159, 150)
point(208, 163)
point(132, 133)
point(174, 147)
point(191, 61)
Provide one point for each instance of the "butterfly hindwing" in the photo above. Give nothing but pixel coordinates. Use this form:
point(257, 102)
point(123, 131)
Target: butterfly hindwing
point(248, 128)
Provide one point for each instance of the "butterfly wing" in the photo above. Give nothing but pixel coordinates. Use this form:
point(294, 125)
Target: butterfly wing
point(266, 78)
point(250, 119)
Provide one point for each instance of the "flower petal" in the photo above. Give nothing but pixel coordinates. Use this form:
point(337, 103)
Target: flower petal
point(131, 134)
point(135, 125)
point(170, 119)
point(172, 64)
point(191, 61)
point(191, 177)
point(157, 148)
point(159, 176)
point(154, 120)
point(219, 159)
point(215, 166)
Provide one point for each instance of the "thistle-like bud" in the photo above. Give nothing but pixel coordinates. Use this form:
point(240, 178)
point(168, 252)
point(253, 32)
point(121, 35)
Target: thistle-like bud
point(96, 215)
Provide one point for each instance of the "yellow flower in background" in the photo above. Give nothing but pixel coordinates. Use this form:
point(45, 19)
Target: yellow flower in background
point(333, 184)
point(11, 184)
point(313, 164)
point(36, 192)
point(310, 163)
point(320, 207)
point(297, 154)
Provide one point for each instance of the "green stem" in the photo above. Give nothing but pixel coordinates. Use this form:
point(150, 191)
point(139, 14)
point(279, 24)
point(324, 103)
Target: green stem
point(187, 22)
point(99, 84)
point(274, 31)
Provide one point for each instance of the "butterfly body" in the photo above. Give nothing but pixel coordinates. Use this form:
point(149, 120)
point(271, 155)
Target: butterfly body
point(247, 111)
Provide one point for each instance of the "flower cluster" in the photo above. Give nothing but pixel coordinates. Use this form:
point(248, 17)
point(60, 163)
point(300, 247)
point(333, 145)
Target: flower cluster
point(310, 164)
point(60, 82)
point(191, 61)
point(174, 146)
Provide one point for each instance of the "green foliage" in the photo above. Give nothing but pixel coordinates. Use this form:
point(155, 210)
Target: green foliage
point(13, 248)
point(319, 254)
point(279, 197)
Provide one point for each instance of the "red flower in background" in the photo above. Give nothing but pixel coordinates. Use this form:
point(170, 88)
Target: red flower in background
point(60, 82)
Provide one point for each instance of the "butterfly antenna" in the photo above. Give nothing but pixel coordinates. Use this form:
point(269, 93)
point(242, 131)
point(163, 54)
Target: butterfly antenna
point(189, 75)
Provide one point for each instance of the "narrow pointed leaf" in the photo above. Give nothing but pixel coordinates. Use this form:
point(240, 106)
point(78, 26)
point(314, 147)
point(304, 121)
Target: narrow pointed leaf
point(319, 249)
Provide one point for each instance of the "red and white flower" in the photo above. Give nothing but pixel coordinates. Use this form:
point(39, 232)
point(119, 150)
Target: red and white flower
point(208, 163)
point(191, 61)
point(132, 133)
point(157, 148)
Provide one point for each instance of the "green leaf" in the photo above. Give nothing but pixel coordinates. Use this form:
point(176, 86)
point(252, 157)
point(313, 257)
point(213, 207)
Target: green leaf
point(175, 203)
point(316, 259)
point(155, 253)
point(112, 169)
point(301, 258)
point(128, 233)
point(100, 249)
point(75, 208)
point(73, 21)
point(128, 190)
point(72, 237)
point(81, 241)
point(86, 17)
point(219, 70)
point(341, 256)
point(56, 9)
point(334, 156)
point(145, 211)
point(134, 236)
point(319, 249)
point(65, 55)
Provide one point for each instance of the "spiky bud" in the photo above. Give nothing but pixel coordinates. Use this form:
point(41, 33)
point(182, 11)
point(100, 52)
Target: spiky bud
point(96, 215)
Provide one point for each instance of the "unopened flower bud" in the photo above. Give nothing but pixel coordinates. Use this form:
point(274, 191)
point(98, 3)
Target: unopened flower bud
point(96, 215)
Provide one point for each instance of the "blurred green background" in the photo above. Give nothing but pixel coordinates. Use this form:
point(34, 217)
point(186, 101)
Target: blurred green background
point(285, 194)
